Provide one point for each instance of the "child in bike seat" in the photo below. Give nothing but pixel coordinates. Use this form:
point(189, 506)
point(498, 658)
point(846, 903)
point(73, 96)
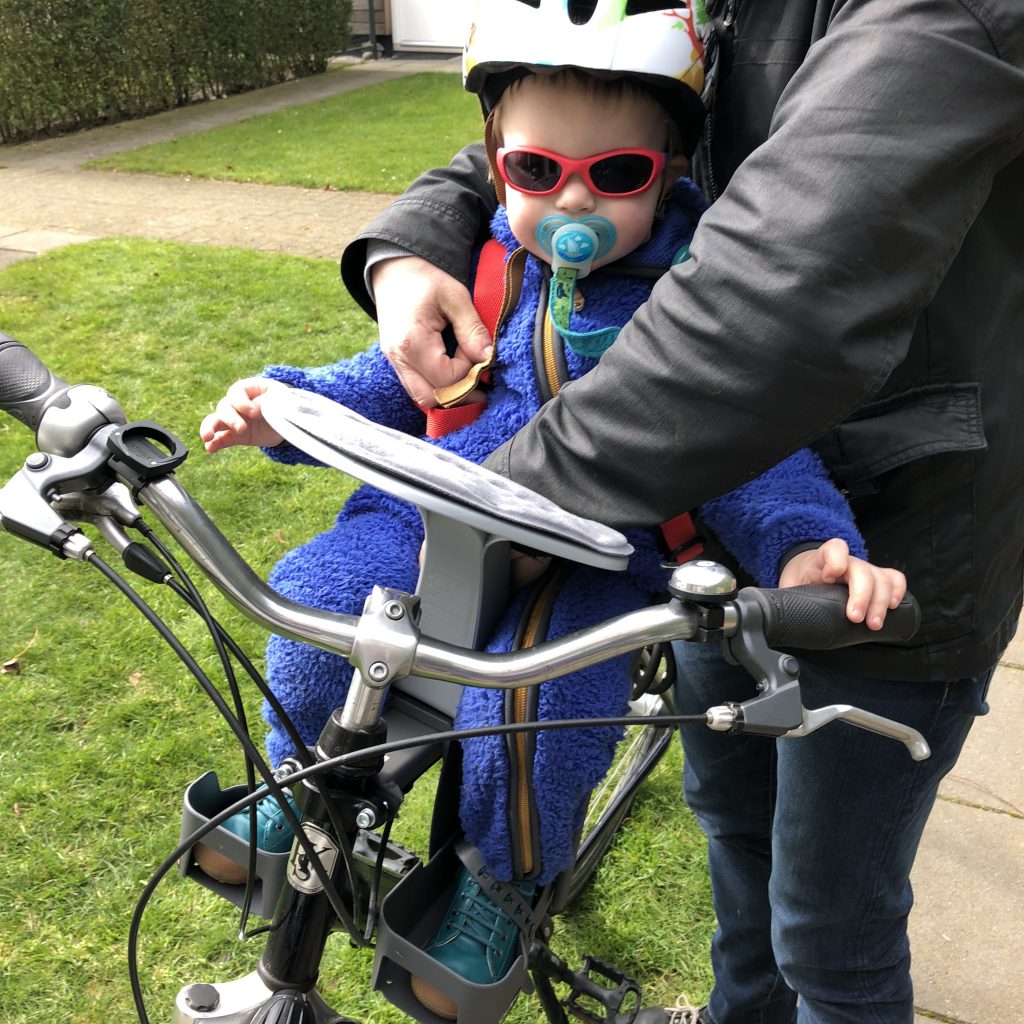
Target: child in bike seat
point(589, 129)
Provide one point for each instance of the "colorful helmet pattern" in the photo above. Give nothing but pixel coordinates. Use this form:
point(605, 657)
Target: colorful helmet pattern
point(669, 45)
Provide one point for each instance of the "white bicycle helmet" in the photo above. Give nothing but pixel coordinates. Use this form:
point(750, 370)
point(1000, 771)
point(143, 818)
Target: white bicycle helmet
point(667, 44)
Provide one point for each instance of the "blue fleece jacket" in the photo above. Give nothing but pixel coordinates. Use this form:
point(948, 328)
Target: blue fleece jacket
point(376, 538)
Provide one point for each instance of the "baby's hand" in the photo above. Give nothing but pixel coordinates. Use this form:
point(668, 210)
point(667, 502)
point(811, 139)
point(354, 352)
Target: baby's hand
point(873, 591)
point(238, 418)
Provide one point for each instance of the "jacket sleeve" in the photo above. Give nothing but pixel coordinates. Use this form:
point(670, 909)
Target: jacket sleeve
point(792, 503)
point(806, 277)
point(442, 215)
point(365, 383)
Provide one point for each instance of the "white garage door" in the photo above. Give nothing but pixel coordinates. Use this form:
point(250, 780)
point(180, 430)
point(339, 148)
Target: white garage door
point(430, 24)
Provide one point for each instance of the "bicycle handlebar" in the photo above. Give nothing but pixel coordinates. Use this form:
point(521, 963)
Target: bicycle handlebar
point(64, 416)
point(80, 425)
point(26, 384)
point(813, 618)
point(809, 618)
point(433, 659)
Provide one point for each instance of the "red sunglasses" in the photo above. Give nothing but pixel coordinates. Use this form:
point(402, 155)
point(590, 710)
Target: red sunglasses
point(616, 174)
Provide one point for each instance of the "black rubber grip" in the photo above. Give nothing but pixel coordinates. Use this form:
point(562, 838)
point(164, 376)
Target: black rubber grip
point(813, 618)
point(26, 385)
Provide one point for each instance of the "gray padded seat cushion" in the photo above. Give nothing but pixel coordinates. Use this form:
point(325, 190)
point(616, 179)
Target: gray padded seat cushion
point(430, 477)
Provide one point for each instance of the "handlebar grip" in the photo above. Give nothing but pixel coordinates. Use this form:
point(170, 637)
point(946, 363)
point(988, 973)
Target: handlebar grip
point(813, 618)
point(26, 385)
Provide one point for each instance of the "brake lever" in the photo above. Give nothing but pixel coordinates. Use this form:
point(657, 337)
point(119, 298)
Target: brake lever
point(814, 719)
point(110, 511)
point(25, 509)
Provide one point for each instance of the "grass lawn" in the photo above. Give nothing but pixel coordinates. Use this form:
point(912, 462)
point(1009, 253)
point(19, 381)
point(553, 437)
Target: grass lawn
point(103, 728)
point(373, 139)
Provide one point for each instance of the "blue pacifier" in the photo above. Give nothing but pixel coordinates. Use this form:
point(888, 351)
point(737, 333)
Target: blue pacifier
point(575, 243)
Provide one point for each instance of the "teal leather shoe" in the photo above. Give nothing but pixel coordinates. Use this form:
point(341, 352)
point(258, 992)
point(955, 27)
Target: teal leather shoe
point(476, 940)
point(273, 834)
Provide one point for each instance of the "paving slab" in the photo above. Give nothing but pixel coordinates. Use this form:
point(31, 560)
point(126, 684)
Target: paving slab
point(990, 772)
point(41, 241)
point(967, 932)
point(1014, 654)
point(272, 219)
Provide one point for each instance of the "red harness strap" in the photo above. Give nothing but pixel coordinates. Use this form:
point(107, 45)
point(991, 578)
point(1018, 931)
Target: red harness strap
point(488, 293)
point(681, 538)
point(489, 285)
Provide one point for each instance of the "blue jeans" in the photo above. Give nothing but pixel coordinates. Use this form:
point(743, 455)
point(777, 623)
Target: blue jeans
point(811, 842)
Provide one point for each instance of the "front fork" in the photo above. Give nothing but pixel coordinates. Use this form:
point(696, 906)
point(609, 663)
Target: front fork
point(282, 988)
point(333, 807)
point(304, 917)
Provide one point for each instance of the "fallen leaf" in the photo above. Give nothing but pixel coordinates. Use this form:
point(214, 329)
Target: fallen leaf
point(12, 667)
point(135, 678)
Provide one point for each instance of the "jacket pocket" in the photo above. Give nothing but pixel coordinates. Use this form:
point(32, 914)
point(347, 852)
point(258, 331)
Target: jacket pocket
point(932, 420)
point(907, 465)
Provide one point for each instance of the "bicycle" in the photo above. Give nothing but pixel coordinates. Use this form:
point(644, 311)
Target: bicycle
point(94, 466)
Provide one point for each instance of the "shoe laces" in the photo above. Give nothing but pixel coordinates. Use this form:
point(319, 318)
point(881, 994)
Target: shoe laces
point(684, 1012)
point(478, 918)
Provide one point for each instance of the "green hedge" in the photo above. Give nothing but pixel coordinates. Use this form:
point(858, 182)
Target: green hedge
point(65, 64)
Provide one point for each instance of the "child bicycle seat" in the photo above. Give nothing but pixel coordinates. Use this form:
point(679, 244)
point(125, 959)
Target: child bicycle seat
point(471, 517)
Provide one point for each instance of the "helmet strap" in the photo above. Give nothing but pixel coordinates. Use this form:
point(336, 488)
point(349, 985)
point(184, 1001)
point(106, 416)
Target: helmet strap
point(492, 158)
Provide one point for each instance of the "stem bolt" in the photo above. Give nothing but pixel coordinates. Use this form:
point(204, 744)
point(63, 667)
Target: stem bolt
point(378, 671)
point(202, 998)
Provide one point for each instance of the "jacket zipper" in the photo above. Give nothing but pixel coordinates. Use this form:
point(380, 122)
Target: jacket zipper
point(536, 626)
point(525, 858)
point(550, 363)
point(722, 25)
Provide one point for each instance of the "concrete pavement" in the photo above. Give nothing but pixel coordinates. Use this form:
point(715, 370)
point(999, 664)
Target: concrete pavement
point(48, 198)
point(967, 928)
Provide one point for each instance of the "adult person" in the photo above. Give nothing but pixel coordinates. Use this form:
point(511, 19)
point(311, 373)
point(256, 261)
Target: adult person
point(859, 283)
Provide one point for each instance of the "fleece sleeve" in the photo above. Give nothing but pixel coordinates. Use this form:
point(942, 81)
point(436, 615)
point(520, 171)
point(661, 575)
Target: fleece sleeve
point(365, 383)
point(792, 503)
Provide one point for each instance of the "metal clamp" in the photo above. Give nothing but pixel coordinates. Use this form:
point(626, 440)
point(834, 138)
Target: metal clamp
point(386, 637)
point(382, 651)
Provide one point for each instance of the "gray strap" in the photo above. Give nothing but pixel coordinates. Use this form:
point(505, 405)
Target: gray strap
point(502, 894)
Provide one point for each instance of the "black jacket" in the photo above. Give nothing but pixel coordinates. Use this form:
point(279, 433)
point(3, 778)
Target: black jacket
point(878, 146)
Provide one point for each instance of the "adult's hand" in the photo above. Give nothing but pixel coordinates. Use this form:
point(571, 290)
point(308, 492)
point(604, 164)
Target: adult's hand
point(415, 302)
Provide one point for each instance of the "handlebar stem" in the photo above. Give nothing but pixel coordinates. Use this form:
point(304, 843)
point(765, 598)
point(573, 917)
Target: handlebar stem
point(383, 651)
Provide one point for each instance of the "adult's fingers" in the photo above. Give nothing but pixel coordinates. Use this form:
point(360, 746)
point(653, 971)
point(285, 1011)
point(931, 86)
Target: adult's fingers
point(416, 301)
